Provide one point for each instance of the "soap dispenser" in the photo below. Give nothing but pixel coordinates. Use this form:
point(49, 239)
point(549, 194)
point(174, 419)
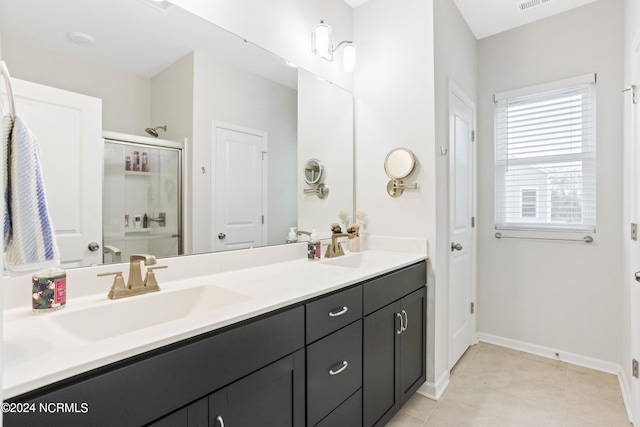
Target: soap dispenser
point(293, 236)
point(313, 246)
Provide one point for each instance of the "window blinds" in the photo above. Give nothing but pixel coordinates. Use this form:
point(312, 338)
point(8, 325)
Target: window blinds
point(545, 165)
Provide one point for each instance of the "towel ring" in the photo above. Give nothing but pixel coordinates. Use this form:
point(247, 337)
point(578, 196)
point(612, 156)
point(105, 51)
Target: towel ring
point(7, 82)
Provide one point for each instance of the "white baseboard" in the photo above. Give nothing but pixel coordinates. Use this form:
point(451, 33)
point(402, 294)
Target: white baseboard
point(435, 390)
point(625, 387)
point(573, 358)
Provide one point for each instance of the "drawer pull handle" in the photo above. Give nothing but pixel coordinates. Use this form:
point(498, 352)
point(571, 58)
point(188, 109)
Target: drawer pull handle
point(405, 324)
point(338, 311)
point(220, 421)
point(343, 365)
point(399, 331)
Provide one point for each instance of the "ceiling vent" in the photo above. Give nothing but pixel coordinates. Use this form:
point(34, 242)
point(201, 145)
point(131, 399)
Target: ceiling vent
point(528, 4)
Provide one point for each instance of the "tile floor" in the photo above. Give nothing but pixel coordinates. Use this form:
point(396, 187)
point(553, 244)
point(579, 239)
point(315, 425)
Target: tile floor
point(498, 387)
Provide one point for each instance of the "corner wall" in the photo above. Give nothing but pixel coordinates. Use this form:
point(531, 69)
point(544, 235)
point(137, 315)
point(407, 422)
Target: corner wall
point(456, 59)
point(559, 296)
point(395, 107)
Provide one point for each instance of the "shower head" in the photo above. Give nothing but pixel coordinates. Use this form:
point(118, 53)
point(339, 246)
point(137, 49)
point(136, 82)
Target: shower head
point(154, 131)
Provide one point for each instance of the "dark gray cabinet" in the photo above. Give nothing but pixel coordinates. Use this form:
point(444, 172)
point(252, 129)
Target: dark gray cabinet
point(271, 397)
point(334, 358)
point(347, 359)
point(140, 390)
point(394, 345)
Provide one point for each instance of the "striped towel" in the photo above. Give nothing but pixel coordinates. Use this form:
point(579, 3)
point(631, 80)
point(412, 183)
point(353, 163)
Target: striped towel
point(29, 240)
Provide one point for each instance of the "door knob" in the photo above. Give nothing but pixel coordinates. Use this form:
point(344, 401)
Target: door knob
point(221, 236)
point(456, 246)
point(637, 276)
point(93, 246)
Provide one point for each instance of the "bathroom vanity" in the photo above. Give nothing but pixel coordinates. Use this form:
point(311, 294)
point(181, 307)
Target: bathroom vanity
point(331, 343)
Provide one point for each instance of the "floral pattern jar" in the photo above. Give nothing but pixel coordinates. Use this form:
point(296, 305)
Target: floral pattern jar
point(49, 290)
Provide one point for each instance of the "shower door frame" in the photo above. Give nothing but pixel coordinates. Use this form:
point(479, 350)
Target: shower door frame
point(142, 141)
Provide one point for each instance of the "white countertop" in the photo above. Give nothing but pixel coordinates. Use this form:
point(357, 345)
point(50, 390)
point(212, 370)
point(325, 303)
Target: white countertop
point(45, 348)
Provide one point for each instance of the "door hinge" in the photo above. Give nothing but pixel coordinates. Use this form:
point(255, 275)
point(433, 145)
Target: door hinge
point(634, 93)
point(473, 222)
point(473, 136)
point(634, 368)
point(473, 307)
point(634, 231)
point(263, 219)
point(264, 153)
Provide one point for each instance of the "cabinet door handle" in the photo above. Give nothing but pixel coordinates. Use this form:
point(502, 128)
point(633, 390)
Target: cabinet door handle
point(220, 421)
point(405, 323)
point(399, 331)
point(342, 366)
point(338, 311)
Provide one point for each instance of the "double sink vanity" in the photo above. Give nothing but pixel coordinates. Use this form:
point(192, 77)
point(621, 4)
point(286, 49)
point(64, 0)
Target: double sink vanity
point(252, 337)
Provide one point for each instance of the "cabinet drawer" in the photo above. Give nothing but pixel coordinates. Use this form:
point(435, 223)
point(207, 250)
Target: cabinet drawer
point(334, 371)
point(349, 414)
point(333, 312)
point(386, 289)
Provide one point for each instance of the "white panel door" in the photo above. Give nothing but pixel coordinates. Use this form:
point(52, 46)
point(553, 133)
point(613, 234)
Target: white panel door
point(68, 128)
point(461, 181)
point(239, 186)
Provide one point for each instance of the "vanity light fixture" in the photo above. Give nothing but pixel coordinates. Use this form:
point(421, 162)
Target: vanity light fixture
point(321, 46)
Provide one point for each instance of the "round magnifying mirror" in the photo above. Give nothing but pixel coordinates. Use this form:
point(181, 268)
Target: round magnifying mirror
point(312, 172)
point(399, 163)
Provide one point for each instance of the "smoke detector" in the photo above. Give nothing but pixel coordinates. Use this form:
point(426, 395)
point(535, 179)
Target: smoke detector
point(528, 4)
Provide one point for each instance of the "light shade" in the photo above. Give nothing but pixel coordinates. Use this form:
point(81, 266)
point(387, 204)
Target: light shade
point(349, 57)
point(321, 41)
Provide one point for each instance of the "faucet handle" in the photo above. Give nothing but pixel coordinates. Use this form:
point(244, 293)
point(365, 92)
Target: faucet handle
point(118, 288)
point(150, 281)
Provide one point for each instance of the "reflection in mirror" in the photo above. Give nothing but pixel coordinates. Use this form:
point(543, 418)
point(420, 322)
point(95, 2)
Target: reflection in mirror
point(312, 172)
point(169, 67)
point(327, 134)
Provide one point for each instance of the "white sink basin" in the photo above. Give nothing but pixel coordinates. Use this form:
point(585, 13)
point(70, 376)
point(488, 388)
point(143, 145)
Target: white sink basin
point(142, 311)
point(351, 260)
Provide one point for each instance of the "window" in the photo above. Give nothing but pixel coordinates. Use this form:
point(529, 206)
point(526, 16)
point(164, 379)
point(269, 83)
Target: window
point(545, 157)
point(529, 203)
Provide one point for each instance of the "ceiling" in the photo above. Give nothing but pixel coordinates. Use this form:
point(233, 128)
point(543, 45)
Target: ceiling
point(489, 17)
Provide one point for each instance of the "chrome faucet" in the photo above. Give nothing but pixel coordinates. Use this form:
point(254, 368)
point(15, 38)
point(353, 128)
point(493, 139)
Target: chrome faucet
point(135, 284)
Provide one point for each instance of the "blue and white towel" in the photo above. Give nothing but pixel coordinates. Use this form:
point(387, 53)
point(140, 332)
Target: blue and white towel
point(29, 239)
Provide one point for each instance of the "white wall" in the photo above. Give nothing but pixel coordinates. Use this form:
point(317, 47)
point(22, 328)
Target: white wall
point(565, 297)
point(283, 27)
point(456, 59)
point(125, 97)
point(395, 107)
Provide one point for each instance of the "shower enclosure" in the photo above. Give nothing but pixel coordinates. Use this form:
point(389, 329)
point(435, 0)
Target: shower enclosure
point(142, 197)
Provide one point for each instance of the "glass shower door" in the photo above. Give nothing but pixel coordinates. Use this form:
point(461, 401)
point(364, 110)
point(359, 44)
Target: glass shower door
point(141, 200)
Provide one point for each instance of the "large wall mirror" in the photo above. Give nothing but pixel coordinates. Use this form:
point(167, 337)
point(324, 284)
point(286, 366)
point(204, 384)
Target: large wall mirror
point(151, 64)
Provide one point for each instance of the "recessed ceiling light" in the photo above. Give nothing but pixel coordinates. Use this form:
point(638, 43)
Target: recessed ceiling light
point(81, 38)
